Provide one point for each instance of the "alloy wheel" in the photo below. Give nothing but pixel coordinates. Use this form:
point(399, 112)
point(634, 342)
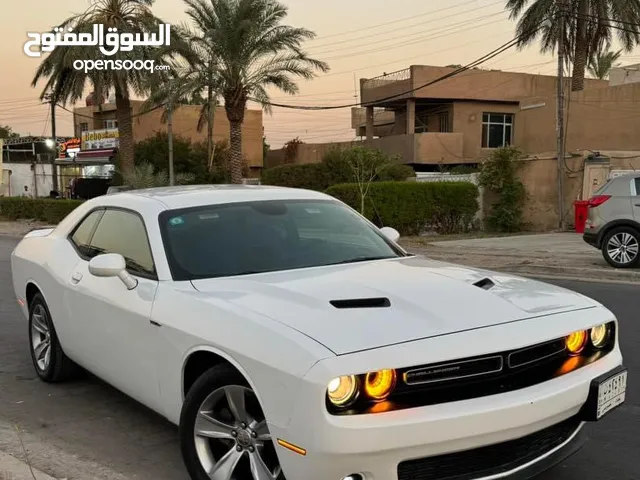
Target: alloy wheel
point(623, 248)
point(232, 438)
point(41, 337)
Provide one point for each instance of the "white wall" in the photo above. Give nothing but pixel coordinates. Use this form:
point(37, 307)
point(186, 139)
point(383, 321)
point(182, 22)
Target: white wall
point(21, 175)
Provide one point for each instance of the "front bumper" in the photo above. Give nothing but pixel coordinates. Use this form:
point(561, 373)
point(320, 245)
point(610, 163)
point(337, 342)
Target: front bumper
point(409, 444)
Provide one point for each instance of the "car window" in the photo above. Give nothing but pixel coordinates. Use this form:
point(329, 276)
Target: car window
point(267, 236)
point(82, 234)
point(124, 233)
point(637, 180)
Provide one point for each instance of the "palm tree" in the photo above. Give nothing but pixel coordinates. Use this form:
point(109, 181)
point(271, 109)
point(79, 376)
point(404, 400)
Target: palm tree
point(589, 25)
point(602, 62)
point(67, 85)
point(252, 51)
point(186, 81)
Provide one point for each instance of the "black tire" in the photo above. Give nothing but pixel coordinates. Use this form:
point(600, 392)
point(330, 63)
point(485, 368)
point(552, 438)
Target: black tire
point(60, 367)
point(215, 378)
point(616, 232)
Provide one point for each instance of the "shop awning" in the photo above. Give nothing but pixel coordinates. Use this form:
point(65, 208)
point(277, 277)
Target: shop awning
point(90, 157)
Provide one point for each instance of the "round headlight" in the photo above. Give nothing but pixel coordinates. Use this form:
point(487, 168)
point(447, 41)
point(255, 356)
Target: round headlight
point(379, 385)
point(576, 342)
point(342, 390)
point(599, 336)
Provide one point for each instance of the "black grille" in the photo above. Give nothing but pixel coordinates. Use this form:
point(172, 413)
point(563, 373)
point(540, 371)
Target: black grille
point(491, 460)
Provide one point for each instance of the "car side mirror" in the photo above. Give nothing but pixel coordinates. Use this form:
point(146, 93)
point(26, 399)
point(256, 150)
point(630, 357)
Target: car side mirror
point(112, 265)
point(391, 233)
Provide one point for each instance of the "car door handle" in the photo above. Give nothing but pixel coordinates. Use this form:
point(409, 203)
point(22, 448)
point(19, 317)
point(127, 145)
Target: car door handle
point(637, 204)
point(76, 277)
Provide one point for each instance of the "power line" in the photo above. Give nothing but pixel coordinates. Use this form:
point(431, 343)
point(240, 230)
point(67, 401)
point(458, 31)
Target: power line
point(457, 71)
point(412, 17)
point(422, 24)
point(435, 36)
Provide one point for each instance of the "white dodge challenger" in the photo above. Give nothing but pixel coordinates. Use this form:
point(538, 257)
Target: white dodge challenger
point(287, 336)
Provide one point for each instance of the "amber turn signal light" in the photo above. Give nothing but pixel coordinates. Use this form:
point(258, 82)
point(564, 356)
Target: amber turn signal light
point(576, 342)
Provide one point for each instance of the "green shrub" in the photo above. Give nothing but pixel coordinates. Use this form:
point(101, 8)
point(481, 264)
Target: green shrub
point(499, 175)
point(312, 176)
point(334, 169)
point(410, 207)
point(42, 209)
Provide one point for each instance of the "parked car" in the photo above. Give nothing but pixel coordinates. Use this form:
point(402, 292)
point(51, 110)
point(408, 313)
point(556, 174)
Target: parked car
point(286, 335)
point(613, 223)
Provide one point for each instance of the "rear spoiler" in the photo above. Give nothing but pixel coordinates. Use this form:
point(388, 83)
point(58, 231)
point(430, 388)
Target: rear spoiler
point(39, 232)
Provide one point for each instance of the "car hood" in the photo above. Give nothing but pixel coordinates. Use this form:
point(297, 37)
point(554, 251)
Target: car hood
point(425, 299)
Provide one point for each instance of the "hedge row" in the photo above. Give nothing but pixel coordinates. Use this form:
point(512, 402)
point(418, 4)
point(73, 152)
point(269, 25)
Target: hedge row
point(411, 207)
point(320, 176)
point(42, 209)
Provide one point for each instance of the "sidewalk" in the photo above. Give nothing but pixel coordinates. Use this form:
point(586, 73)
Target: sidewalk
point(41, 455)
point(19, 228)
point(12, 468)
point(563, 255)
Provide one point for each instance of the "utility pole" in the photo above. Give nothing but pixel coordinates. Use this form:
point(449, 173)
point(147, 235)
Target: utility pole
point(560, 106)
point(170, 133)
point(54, 172)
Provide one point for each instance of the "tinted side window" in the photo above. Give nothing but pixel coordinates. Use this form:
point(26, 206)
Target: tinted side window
point(637, 180)
point(124, 233)
point(82, 234)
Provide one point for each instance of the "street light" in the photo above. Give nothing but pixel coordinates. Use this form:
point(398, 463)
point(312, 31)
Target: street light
point(50, 143)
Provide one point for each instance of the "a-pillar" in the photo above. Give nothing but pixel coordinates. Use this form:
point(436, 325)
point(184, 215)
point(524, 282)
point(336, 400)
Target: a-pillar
point(369, 123)
point(411, 116)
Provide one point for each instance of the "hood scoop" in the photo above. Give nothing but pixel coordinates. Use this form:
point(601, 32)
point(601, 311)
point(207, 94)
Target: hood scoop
point(485, 284)
point(381, 302)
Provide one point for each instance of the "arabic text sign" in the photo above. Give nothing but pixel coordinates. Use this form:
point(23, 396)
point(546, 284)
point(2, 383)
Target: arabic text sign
point(97, 139)
point(109, 44)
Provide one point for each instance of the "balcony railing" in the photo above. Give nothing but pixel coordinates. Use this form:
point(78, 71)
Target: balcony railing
point(387, 78)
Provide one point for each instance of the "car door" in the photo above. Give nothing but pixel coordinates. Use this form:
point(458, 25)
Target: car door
point(113, 322)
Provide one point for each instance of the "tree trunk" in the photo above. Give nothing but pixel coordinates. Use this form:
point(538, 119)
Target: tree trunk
point(234, 106)
point(581, 49)
point(236, 151)
point(125, 133)
point(210, 119)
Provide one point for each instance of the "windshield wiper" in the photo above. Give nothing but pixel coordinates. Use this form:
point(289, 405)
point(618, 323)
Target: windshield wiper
point(360, 259)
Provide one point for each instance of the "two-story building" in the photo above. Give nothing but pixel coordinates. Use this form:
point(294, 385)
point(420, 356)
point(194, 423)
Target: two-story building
point(460, 119)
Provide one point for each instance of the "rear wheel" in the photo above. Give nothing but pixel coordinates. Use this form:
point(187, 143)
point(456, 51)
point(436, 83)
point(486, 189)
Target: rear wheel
point(49, 361)
point(621, 247)
point(223, 431)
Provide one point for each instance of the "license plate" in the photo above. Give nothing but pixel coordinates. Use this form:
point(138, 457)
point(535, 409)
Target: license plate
point(611, 393)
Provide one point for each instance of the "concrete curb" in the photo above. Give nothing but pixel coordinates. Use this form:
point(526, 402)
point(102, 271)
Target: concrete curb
point(11, 468)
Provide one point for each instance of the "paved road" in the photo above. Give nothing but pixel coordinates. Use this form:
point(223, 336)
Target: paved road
point(94, 422)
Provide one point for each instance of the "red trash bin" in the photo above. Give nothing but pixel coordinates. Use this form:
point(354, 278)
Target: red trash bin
point(581, 209)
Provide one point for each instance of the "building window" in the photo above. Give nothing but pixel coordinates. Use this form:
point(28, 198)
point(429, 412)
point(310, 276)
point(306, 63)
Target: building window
point(497, 130)
point(84, 127)
point(110, 124)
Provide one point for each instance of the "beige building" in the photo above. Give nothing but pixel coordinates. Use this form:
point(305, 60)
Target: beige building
point(460, 120)
point(99, 125)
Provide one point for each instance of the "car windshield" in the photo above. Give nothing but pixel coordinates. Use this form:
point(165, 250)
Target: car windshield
point(267, 236)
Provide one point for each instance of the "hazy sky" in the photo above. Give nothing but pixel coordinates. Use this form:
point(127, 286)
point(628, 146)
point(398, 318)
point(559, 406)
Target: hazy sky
point(356, 37)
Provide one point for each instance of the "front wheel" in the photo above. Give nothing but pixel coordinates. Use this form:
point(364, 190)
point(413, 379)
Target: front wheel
point(621, 247)
point(223, 431)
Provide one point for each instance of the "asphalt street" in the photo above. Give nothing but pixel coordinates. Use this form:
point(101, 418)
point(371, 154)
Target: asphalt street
point(93, 422)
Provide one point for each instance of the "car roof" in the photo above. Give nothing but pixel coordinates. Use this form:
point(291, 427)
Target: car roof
point(185, 196)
